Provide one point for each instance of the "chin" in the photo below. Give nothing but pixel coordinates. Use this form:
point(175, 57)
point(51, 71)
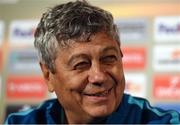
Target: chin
point(101, 111)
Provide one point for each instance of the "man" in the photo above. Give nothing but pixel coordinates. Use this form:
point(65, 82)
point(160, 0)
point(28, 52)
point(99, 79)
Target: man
point(81, 61)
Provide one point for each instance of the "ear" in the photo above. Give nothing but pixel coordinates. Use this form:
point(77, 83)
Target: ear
point(47, 74)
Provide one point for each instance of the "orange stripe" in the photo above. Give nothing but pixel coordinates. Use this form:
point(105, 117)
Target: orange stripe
point(144, 9)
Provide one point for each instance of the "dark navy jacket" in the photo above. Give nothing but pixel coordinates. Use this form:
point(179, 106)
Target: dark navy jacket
point(131, 110)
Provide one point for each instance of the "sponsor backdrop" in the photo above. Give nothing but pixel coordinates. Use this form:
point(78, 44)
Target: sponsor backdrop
point(150, 42)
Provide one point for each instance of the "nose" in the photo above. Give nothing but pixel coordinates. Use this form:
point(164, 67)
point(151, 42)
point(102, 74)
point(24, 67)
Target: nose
point(97, 75)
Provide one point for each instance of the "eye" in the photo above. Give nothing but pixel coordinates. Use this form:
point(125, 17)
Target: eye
point(109, 59)
point(82, 65)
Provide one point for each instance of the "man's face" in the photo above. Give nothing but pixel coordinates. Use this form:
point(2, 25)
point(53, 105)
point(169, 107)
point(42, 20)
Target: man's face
point(89, 79)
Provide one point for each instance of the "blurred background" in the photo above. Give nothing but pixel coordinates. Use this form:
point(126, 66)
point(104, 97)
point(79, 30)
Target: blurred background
point(150, 41)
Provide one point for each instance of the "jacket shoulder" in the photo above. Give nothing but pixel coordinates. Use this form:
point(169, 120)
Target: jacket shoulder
point(31, 116)
point(142, 110)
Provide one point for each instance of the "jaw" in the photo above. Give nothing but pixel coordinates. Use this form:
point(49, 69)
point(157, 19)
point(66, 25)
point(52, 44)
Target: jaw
point(89, 111)
point(100, 106)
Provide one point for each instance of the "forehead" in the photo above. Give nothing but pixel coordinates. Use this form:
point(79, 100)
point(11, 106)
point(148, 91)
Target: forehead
point(99, 41)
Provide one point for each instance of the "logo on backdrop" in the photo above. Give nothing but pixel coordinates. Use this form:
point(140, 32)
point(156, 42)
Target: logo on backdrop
point(22, 32)
point(23, 60)
point(166, 58)
point(166, 87)
point(1, 32)
point(136, 84)
point(167, 29)
point(132, 30)
point(21, 87)
point(134, 58)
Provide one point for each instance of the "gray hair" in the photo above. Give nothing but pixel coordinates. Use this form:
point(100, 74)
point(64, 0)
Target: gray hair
point(73, 21)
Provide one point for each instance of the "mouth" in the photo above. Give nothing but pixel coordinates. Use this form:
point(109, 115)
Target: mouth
point(99, 94)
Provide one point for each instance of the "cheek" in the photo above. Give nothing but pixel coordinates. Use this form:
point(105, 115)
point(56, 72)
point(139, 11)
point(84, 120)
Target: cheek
point(119, 90)
point(120, 86)
point(117, 72)
point(70, 86)
point(72, 81)
point(77, 82)
point(118, 75)
point(68, 95)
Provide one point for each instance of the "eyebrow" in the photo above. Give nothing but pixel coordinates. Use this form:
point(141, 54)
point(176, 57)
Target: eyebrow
point(110, 48)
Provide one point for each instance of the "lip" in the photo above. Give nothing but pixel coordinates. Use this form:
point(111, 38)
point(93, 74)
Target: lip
point(98, 96)
point(101, 93)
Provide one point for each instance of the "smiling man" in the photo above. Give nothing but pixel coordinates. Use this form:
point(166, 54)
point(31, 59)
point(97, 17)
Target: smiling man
point(88, 78)
point(81, 61)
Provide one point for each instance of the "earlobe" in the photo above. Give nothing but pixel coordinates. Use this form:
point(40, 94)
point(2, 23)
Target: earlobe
point(47, 77)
